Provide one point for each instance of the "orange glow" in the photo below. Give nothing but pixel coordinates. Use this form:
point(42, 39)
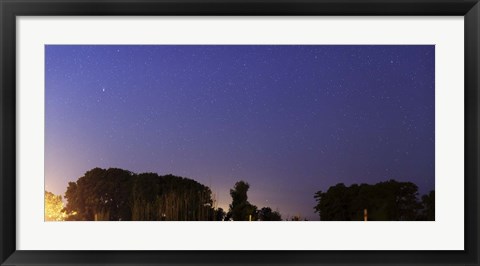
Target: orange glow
point(54, 207)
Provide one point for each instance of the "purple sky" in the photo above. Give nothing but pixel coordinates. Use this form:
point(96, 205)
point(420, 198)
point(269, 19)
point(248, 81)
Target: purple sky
point(289, 120)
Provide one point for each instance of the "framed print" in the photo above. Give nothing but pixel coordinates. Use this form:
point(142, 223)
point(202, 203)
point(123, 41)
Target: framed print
point(248, 132)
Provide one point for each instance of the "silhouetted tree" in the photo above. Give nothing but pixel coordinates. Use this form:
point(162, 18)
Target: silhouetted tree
point(333, 205)
point(266, 214)
point(171, 198)
point(428, 202)
point(120, 195)
point(240, 208)
point(385, 201)
point(219, 214)
point(100, 195)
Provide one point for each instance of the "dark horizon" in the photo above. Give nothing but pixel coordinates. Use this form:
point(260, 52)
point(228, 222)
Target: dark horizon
point(288, 119)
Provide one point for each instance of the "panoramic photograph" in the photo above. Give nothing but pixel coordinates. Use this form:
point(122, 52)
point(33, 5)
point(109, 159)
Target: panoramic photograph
point(231, 133)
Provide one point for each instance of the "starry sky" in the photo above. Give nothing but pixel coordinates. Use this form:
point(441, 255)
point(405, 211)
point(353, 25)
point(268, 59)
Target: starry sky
point(288, 119)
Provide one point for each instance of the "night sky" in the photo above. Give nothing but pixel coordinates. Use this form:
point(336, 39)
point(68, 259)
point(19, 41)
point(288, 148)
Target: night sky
point(288, 119)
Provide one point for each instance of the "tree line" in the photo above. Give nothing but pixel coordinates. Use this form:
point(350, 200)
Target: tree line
point(119, 195)
point(384, 201)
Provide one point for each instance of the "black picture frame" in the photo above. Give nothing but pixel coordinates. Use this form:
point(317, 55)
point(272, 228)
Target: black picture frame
point(10, 9)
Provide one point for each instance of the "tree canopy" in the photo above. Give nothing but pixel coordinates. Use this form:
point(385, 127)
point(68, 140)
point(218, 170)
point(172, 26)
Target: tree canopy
point(384, 201)
point(266, 214)
point(119, 195)
point(240, 208)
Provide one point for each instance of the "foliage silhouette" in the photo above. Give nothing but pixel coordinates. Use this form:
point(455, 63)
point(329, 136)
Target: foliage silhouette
point(428, 202)
point(384, 201)
point(266, 214)
point(240, 208)
point(219, 215)
point(119, 195)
